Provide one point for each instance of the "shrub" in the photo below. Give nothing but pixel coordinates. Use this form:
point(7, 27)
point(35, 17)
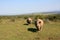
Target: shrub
point(12, 20)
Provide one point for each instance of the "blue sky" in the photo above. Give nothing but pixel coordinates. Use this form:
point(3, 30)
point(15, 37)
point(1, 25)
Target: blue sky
point(13, 7)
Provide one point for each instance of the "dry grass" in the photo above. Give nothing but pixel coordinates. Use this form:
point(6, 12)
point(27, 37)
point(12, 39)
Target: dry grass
point(18, 31)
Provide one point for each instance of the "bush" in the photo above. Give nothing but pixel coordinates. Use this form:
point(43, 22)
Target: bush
point(25, 17)
point(12, 20)
point(40, 16)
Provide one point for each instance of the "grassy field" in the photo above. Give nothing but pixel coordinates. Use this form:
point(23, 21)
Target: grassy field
point(19, 31)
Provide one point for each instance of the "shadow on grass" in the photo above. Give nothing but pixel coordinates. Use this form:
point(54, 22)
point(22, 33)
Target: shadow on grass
point(25, 24)
point(32, 29)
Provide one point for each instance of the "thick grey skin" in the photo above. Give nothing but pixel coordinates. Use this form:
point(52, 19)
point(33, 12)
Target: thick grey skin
point(39, 24)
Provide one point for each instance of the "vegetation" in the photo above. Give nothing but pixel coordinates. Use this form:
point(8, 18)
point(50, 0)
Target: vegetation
point(14, 28)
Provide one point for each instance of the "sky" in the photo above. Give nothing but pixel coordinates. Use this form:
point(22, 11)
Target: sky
point(16, 7)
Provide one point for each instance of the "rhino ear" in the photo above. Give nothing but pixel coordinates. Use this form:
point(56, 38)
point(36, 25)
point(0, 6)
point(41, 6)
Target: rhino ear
point(39, 21)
